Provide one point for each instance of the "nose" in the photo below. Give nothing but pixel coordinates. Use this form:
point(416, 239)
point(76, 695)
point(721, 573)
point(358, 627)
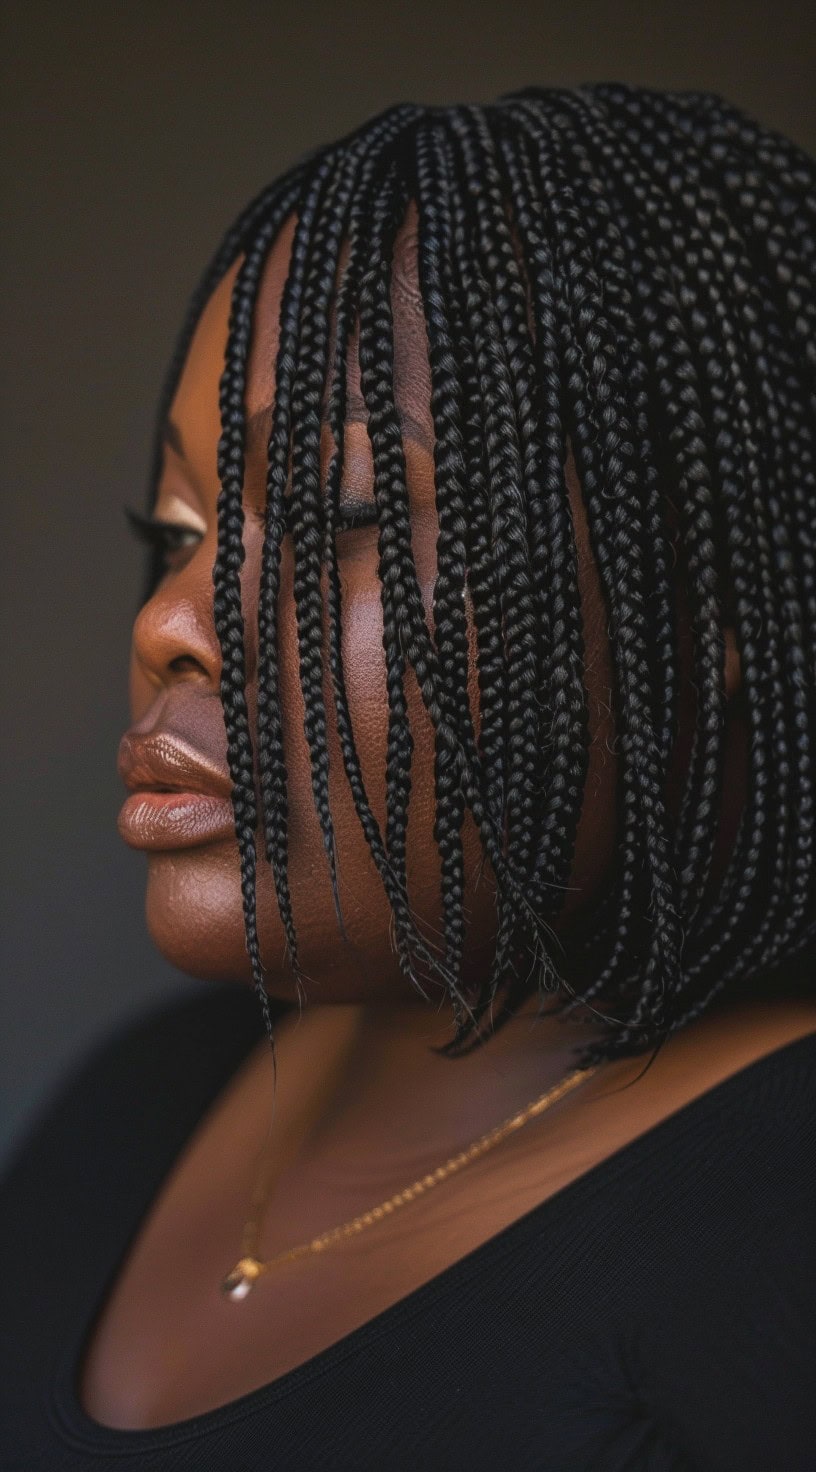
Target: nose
point(174, 636)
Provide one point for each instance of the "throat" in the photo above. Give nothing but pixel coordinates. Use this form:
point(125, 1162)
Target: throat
point(387, 1100)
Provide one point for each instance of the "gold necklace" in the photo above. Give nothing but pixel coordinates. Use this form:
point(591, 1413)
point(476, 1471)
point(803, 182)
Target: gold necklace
point(249, 1267)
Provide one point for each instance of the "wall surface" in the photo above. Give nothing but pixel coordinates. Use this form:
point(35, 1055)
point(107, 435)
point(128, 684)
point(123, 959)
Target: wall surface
point(130, 135)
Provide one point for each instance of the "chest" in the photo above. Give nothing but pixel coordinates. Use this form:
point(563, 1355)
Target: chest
point(169, 1345)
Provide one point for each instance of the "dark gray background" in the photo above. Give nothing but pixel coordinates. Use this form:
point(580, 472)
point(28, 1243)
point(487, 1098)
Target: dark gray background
point(130, 136)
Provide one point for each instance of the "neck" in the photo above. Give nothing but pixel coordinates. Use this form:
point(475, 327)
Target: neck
point(390, 1087)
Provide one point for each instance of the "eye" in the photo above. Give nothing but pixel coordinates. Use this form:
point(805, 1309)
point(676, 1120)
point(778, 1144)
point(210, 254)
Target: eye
point(170, 540)
point(353, 514)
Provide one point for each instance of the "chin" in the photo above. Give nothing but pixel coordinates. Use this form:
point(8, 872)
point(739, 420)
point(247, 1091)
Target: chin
point(194, 914)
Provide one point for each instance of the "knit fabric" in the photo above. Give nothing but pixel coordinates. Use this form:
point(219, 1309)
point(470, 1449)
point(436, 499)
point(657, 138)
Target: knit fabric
point(658, 1313)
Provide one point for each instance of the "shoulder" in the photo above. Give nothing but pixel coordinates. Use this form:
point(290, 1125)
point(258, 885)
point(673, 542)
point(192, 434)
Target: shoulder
point(722, 1119)
point(756, 1027)
point(726, 1355)
point(725, 1045)
point(755, 1062)
point(738, 1157)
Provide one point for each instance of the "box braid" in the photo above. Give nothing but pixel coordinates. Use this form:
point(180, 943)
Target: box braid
point(684, 431)
point(788, 534)
point(449, 615)
point(307, 508)
point(630, 273)
point(228, 616)
point(397, 570)
point(803, 859)
point(389, 856)
point(231, 246)
point(517, 514)
point(774, 578)
point(305, 520)
point(502, 574)
point(404, 629)
point(616, 497)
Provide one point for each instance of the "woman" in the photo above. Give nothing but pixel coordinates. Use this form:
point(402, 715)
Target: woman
point(473, 724)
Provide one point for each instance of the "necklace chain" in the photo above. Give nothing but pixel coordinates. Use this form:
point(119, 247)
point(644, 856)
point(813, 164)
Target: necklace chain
point(242, 1278)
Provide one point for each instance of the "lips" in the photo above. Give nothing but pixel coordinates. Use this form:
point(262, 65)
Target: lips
point(179, 798)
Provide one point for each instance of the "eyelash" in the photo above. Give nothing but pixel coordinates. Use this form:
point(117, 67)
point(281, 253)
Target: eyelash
point(356, 515)
point(167, 537)
point(164, 537)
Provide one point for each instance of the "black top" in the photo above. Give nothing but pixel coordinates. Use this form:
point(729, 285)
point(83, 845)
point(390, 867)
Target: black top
point(657, 1313)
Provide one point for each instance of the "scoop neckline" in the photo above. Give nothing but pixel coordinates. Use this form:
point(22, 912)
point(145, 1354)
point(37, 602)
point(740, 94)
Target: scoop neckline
point(78, 1427)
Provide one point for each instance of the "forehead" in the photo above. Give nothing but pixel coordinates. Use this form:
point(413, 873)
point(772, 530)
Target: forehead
point(412, 379)
point(194, 423)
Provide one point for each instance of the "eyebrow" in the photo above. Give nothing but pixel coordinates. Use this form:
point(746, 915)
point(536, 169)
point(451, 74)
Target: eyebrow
point(259, 425)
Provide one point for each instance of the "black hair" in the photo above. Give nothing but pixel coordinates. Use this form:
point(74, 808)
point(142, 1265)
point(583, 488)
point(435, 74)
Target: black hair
point(630, 273)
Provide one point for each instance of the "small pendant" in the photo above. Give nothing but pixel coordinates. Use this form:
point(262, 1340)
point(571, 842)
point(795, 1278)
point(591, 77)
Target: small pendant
point(241, 1280)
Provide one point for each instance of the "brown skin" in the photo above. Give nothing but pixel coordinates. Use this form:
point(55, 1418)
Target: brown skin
point(193, 895)
point(178, 622)
point(363, 1104)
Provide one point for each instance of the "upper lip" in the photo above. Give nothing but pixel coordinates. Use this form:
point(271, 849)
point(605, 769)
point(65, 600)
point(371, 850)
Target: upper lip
point(160, 762)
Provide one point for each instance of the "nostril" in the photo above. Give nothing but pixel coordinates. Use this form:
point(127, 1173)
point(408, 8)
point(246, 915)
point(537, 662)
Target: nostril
point(186, 664)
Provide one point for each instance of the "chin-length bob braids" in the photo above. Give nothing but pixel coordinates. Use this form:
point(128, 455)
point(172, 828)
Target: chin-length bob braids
point(631, 272)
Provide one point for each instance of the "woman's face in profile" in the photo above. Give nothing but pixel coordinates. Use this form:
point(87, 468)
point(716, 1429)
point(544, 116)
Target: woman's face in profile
point(177, 739)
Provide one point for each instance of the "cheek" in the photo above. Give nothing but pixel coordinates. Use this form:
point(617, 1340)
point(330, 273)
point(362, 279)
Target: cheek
point(363, 662)
point(365, 670)
point(364, 666)
point(595, 837)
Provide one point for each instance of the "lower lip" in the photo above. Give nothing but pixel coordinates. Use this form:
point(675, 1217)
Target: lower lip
point(166, 820)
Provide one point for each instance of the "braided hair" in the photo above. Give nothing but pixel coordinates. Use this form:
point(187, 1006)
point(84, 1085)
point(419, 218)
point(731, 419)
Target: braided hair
point(628, 273)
